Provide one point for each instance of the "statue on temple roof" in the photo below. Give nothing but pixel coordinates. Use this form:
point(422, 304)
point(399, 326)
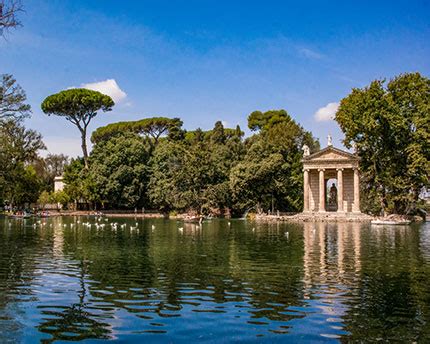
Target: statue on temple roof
point(306, 151)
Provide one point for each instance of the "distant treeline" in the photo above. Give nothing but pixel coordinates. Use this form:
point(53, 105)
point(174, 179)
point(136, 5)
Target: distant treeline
point(154, 163)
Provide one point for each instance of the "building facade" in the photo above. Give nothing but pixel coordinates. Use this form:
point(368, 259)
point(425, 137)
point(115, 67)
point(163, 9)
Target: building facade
point(58, 183)
point(338, 168)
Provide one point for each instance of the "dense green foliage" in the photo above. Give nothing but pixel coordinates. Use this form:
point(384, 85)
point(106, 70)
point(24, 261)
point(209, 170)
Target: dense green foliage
point(152, 128)
point(193, 174)
point(79, 106)
point(154, 163)
point(270, 176)
point(389, 124)
point(19, 182)
point(118, 173)
point(265, 120)
point(48, 168)
point(23, 173)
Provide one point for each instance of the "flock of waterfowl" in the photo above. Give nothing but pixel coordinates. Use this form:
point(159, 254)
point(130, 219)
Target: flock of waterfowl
point(101, 223)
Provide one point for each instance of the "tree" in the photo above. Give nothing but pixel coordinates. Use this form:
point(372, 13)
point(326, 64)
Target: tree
point(271, 172)
point(193, 174)
point(118, 173)
point(8, 14)
point(25, 187)
point(19, 182)
point(61, 198)
point(55, 164)
point(168, 185)
point(79, 106)
point(258, 120)
point(389, 124)
point(18, 143)
point(50, 167)
point(75, 176)
point(12, 99)
point(151, 128)
point(44, 199)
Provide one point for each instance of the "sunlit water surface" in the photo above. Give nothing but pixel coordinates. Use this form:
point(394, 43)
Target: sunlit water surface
point(166, 281)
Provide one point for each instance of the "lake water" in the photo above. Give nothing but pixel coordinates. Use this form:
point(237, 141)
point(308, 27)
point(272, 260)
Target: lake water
point(165, 281)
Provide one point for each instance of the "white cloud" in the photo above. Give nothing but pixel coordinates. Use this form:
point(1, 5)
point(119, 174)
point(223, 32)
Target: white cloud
point(225, 124)
point(327, 112)
point(108, 87)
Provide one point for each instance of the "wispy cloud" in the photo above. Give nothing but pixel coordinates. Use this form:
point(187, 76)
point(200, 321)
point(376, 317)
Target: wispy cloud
point(326, 113)
point(108, 87)
point(310, 54)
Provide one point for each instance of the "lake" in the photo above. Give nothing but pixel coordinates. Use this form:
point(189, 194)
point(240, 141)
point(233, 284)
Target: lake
point(82, 278)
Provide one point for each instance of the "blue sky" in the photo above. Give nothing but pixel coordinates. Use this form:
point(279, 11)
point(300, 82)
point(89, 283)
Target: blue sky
point(204, 61)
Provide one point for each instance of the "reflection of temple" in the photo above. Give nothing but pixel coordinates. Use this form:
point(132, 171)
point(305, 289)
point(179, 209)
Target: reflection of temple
point(322, 166)
point(324, 251)
point(331, 264)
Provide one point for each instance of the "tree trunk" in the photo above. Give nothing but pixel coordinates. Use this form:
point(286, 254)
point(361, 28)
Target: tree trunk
point(84, 146)
point(383, 202)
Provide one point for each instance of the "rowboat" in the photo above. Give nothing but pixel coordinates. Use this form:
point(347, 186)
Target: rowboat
point(390, 222)
point(193, 219)
point(20, 216)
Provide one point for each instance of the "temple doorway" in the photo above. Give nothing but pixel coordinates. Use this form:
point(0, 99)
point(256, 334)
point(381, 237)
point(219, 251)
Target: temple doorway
point(331, 194)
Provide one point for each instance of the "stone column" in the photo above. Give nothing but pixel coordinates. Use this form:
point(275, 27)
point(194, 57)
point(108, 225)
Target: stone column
point(322, 191)
point(306, 191)
point(356, 204)
point(340, 190)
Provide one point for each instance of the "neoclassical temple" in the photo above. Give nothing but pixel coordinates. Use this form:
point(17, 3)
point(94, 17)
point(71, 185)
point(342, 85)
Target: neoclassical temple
point(322, 171)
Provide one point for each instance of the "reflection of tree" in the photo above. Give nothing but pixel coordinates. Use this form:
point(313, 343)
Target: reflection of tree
point(393, 292)
point(118, 261)
point(18, 252)
point(270, 265)
point(74, 322)
point(154, 270)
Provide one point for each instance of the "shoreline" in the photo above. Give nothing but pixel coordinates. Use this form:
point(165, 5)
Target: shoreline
point(317, 217)
point(336, 217)
point(299, 217)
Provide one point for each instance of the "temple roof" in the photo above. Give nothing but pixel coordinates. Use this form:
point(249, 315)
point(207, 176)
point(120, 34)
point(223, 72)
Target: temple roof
point(330, 155)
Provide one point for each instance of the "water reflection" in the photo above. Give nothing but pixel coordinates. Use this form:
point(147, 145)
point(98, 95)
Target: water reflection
point(86, 278)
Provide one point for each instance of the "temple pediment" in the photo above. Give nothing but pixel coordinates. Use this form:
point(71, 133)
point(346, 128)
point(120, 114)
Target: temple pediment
point(329, 154)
